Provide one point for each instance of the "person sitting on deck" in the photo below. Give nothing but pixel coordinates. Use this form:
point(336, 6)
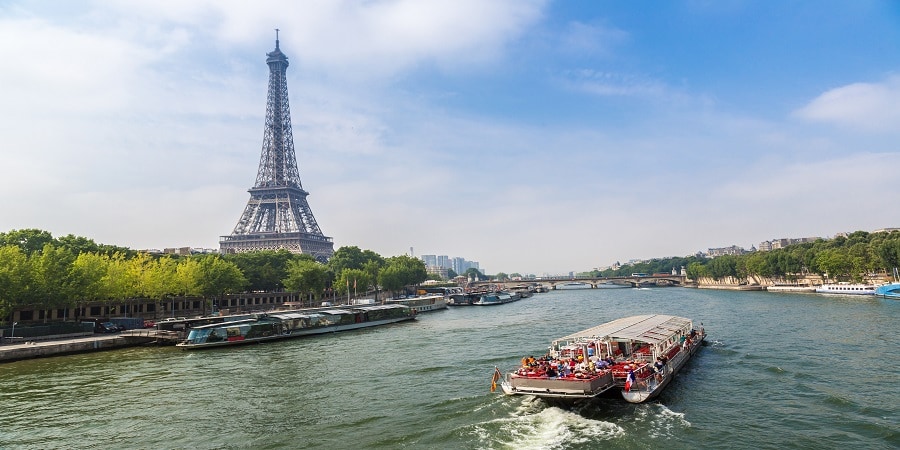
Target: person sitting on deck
point(551, 372)
point(564, 369)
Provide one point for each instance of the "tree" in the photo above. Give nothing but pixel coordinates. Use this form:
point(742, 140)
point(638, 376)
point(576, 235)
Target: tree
point(889, 251)
point(401, 271)
point(77, 244)
point(352, 258)
point(696, 270)
point(834, 263)
point(50, 269)
point(187, 277)
point(87, 273)
point(475, 274)
point(264, 270)
point(219, 277)
point(30, 240)
point(353, 280)
point(306, 276)
point(15, 277)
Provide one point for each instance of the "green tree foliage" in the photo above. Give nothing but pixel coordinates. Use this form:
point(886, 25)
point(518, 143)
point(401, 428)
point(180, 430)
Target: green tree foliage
point(844, 258)
point(51, 274)
point(353, 258)
point(353, 281)
point(87, 274)
point(15, 277)
point(28, 240)
point(401, 271)
point(219, 276)
point(306, 276)
point(474, 274)
point(264, 270)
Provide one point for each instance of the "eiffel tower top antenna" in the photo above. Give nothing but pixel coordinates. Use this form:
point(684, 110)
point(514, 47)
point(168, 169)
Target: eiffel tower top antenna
point(276, 39)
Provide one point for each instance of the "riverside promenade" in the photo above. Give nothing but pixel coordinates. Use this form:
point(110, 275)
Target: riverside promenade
point(28, 349)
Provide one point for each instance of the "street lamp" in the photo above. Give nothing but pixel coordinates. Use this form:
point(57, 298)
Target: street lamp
point(12, 333)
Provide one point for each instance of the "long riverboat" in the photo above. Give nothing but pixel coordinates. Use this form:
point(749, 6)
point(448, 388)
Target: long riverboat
point(638, 355)
point(496, 298)
point(421, 303)
point(847, 289)
point(464, 298)
point(291, 324)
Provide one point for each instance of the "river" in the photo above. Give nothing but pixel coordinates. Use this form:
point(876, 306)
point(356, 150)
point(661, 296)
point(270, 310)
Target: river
point(780, 371)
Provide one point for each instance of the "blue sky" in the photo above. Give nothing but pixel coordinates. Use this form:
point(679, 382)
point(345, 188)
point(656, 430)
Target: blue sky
point(534, 137)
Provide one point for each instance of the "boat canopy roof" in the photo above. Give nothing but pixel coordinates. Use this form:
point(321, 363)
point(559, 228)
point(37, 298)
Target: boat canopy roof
point(290, 315)
point(649, 328)
point(231, 323)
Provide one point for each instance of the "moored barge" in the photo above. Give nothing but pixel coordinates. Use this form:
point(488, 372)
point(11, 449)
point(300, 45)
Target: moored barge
point(290, 324)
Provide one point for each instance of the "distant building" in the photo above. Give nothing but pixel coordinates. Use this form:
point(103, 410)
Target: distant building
point(733, 250)
point(439, 271)
point(458, 265)
point(184, 251)
point(775, 244)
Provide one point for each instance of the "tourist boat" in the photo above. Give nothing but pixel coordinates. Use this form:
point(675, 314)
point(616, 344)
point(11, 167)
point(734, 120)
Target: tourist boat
point(638, 355)
point(496, 298)
point(891, 290)
point(422, 303)
point(464, 298)
point(290, 324)
point(847, 289)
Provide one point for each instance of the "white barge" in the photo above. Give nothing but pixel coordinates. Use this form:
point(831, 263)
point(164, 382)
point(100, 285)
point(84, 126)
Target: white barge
point(847, 289)
point(638, 355)
point(422, 303)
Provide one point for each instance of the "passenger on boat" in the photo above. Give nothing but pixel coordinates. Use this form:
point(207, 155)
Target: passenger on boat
point(551, 372)
point(564, 369)
point(658, 367)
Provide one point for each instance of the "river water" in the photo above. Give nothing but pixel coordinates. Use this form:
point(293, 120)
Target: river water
point(780, 371)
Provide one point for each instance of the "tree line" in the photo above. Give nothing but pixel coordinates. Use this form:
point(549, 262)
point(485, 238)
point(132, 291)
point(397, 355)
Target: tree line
point(40, 271)
point(853, 258)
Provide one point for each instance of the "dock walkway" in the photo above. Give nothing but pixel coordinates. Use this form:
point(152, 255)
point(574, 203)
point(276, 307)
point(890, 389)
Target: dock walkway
point(19, 349)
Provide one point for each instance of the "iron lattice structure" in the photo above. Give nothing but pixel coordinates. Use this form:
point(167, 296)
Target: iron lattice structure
point(278, 215)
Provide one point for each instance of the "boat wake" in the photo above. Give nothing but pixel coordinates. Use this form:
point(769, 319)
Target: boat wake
point(659, 421)
point(533, 425)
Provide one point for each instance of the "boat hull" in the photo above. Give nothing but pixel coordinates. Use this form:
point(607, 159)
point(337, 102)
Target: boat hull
point(653, 386)
point(557, 388)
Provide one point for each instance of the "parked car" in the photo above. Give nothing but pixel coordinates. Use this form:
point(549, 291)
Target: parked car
point(107, 327)
point(149, 324)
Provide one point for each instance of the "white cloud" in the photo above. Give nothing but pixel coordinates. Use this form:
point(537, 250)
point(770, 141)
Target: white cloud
point(861, 106)
point(355, 38)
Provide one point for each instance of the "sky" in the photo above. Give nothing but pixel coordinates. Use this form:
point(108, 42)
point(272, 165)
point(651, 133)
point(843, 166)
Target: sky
point(534, 137)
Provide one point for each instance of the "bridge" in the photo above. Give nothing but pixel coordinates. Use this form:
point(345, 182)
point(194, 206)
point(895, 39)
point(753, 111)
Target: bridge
point(648, 280)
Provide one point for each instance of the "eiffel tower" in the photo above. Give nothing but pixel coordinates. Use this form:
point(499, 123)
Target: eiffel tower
point(278, 215)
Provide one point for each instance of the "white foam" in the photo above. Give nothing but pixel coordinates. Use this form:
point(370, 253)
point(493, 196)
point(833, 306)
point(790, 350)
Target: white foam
point(531, 427)
point(661, 422)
